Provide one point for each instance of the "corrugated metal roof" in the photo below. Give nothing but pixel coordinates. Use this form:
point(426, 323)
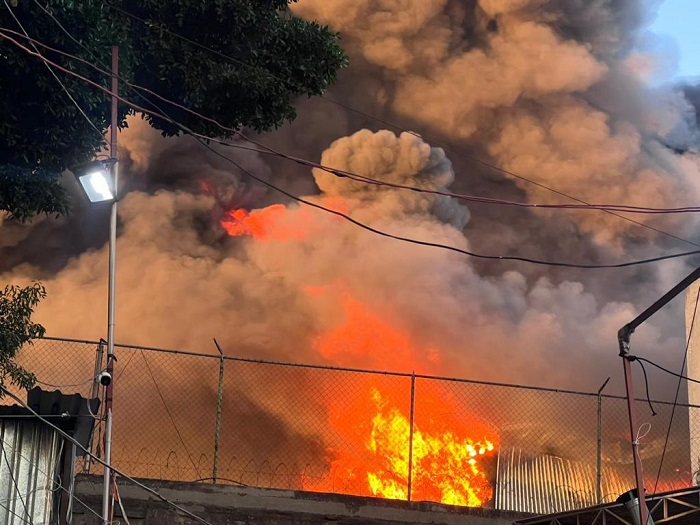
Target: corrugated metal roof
point(30, 452)
point(543, 484)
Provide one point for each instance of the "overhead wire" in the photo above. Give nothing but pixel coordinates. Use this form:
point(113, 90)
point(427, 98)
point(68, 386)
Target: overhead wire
point(482, 162)
point(53, 73)
point(56, 485)
point(349, 218)
point(678, 389)
point(663, 369)
point(263, 149)
point(170, 415)
point(18, 491)
point(136, 482)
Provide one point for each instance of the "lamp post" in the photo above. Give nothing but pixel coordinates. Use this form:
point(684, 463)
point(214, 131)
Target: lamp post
point(99, 181)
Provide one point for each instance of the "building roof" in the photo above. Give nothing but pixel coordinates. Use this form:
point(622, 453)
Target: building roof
point(680, 507)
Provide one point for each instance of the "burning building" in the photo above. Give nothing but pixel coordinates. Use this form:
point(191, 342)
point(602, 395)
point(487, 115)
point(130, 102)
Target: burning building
point(528, 101)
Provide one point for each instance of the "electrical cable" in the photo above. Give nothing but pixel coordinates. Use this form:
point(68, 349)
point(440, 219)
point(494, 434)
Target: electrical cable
point(87, 382)
point(14, 480)
point(678, 389)
point(681, 376)
point(172, 419)
point(103, 463)
point(121, 505)
point(399, 128)
point(263, 149)
point(12, 512)
point(646, 381)
point(53, 73)
point(57, 485)
point(362, 225)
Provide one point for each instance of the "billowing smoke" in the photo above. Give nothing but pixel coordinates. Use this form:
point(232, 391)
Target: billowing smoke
point(550, 91)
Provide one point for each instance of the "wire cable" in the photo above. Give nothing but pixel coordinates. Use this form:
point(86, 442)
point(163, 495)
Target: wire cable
point(56, 485)
point(399, 128)
point(646, 382)
point(86, 382)
point(167, 410)
point(103, 463)
point(263, 149)
point(678, 389)
point(360, 224)
point(121, 505)
point(53, 73)
point(14, 481)
point(656, 365)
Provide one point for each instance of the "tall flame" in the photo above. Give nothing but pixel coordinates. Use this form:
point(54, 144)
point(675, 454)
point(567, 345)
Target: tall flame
point(448, 460)
point(445, 467)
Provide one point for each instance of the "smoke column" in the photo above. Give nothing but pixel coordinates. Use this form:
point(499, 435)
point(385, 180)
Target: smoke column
point(552, 91)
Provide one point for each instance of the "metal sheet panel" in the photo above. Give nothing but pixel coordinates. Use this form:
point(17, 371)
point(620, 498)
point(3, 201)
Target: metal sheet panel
point(28, 462)
point(544, 484)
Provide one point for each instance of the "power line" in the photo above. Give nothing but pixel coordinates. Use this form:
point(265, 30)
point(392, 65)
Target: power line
point(103, 463)
point(349, 218)
point(678, 389)
point(14, 480)
point(261, 148)
point(53, 73)
point(167, 410)
point(386, 123)
point(656, 365)
point(56, 485)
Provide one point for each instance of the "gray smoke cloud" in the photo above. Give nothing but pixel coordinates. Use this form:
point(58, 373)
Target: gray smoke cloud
point(552, 91)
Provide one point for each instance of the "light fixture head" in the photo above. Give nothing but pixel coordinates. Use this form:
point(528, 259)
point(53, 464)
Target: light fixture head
point(96, 180)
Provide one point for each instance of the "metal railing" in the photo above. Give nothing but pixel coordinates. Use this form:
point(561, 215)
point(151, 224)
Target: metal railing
point(220, 419)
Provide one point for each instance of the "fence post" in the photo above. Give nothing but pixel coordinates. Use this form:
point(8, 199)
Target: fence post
point(410, 435)
point(599, 456)
point(219, 405)
point(93, 394)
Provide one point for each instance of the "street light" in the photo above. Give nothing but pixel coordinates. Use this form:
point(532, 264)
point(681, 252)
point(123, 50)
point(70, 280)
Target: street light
point(97, 180)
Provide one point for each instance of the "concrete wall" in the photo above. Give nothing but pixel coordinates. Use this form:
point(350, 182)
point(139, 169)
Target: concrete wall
point(231, 505)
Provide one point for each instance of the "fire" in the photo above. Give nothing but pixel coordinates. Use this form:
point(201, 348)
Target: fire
point(378, 441)
point(279, 222)
point(446, 466)
point(263, 223)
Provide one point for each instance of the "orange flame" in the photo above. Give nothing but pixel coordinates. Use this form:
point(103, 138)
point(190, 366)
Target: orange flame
point(264, 223)
point(277, 222)
point(449, 458)
point(445, 467)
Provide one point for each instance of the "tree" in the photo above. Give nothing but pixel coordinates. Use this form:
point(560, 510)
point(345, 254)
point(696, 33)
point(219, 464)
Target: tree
point(243, 62)
point(17, 330)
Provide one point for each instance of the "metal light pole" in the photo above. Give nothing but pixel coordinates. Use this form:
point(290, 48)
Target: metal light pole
point(106, 511)
point(623, 338)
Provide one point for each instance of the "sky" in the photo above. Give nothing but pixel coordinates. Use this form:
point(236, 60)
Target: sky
point(680, 20)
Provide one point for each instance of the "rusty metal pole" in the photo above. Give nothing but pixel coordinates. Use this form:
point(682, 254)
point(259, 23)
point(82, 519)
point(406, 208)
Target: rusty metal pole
point(623, 339)
point(410, 435)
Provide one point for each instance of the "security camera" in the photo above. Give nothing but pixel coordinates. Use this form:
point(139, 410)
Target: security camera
point(105, 378)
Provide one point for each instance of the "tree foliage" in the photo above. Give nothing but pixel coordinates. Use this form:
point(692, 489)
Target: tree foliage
point(16, 330)
point(242, 62)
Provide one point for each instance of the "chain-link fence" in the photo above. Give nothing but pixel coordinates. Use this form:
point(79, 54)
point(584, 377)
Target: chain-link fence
point(219, 419)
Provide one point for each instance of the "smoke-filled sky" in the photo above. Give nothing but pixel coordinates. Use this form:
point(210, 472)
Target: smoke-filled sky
point(552, 94)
